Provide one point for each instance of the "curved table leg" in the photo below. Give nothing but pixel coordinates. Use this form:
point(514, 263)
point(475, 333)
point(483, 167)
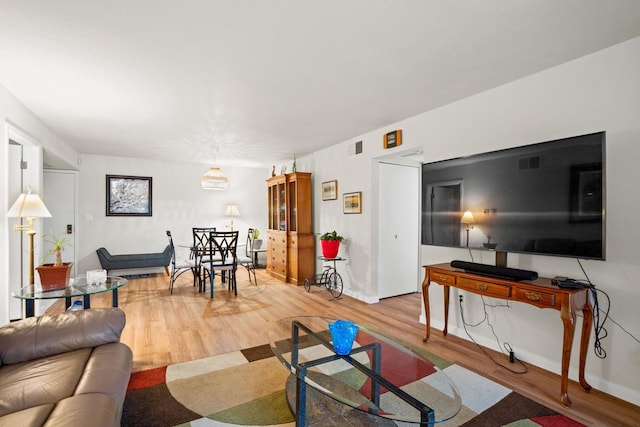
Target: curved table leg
point(568, 315)
point(425, 300)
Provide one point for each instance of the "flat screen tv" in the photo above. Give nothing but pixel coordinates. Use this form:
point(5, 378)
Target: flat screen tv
point(546, 198)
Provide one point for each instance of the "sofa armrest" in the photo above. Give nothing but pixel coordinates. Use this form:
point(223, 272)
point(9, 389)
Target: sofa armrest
point(37, 337)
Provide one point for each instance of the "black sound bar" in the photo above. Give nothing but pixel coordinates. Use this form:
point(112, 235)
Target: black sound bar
point(494, 271)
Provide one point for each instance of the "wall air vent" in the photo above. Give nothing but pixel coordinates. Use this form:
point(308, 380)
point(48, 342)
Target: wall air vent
point(355, 148)
point(529, 163)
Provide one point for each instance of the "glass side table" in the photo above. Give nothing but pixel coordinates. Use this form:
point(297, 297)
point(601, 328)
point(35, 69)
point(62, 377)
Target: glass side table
point(77, 287)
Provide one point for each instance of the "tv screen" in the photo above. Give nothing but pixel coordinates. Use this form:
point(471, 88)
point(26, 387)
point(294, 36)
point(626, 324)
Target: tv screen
point(546, 198)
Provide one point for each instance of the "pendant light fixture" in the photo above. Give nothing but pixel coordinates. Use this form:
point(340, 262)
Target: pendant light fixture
point(214, 179)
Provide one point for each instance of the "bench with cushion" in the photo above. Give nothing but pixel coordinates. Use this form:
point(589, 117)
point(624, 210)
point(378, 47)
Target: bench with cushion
point(128, 261)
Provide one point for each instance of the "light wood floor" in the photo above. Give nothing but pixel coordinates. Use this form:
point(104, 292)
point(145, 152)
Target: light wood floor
point(163, 329)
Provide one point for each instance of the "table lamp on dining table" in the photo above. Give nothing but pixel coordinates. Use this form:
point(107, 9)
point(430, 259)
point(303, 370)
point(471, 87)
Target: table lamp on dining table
point(231, 211)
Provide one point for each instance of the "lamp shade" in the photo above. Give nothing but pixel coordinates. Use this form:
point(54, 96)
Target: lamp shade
point(467, 218)
point(28, 205)
point(214, 179)
point(231, 210)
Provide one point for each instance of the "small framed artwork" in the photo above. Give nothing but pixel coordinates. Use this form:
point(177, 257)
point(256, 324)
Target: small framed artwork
point(129, 195)
point(392, 139)
point(330, 190)
point(352, 203)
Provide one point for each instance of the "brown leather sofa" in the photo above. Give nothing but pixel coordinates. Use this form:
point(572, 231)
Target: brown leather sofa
point(67, 369)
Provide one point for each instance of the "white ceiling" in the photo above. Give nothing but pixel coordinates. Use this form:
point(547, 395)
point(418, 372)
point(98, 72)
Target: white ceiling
point(251, 82)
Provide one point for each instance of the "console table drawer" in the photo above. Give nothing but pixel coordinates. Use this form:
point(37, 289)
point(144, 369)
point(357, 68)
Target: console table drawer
point(487, 288)
point(536, 297)
point(442, 278)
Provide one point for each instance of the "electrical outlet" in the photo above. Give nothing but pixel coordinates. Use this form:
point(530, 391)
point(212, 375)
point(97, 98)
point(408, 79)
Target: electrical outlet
point(460, 297)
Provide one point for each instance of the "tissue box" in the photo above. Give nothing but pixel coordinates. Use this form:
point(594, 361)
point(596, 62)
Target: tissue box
point(96, 277)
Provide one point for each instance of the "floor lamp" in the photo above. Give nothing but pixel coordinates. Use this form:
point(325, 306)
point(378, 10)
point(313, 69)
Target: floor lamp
point(28, 206)
point(467, 220)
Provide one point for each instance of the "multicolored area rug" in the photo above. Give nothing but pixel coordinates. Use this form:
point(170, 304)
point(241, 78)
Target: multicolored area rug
point(247, 388)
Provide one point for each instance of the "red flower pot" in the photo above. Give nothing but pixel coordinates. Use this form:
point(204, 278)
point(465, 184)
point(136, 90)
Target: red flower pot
point(54, 277)
point(330, 248)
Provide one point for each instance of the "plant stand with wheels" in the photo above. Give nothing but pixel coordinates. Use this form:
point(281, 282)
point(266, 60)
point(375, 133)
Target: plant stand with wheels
point(329, 278)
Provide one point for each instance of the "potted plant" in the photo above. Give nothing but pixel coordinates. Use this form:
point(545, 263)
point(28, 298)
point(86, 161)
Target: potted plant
point(257, 243)
point(55, 275)
point(330, 242)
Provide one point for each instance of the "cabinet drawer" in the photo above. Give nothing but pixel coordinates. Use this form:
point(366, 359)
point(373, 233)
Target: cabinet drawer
point(278, 266)
point(535, 297)
point(487, 288)
point(278, 239)
point(442, 277)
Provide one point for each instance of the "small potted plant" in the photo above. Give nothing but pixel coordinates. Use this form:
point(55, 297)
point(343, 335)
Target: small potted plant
point(257, 243)
point(55, 275)
point(330, 242)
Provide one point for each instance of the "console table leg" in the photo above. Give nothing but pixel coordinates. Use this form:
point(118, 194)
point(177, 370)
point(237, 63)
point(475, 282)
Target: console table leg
point(568, 315)
point(445, 289)
point(425, 300)
point(587, 322)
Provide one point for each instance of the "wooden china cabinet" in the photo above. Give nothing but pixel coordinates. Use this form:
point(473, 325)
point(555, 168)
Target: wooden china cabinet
point(290, 240)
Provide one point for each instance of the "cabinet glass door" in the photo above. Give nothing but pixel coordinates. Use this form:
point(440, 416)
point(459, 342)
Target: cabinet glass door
point(293, 212)
point(282, 209)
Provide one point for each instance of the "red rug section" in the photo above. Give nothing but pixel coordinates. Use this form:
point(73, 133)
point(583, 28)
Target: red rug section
point(148, 378)
point(556, 421)
point(392, 361)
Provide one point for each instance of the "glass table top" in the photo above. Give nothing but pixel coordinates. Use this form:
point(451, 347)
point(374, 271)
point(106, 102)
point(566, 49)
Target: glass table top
point(77, 287)
point(407, 379)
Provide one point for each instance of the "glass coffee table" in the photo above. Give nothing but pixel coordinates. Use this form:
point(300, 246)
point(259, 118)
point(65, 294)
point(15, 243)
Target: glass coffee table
point(379, 382)
point(77, 287)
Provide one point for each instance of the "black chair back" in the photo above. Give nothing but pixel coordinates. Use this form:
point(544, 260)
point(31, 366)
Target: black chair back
point(224, 245)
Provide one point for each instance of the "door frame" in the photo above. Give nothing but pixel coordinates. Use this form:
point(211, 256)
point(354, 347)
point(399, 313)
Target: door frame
point(411, 157)
point(32, 153)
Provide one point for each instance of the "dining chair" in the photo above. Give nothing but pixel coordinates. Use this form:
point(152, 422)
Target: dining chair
point(248, 259)
point(201, 253)
point(177, 267)
point(223, 246)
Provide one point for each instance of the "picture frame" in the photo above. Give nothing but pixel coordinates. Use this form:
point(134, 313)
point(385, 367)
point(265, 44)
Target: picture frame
point(352, 202)
point(392, 139)
point(129, 195)
point(585, 199)
point(330, 190)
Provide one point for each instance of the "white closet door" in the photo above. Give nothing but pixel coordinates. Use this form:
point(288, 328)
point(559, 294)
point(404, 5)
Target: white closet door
point(398, 230)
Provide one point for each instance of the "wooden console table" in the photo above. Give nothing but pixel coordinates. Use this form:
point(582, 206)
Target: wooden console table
point(539, 292)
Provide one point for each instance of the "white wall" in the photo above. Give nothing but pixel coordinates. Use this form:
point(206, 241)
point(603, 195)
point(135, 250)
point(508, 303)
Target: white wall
point(178, 204)
point(597, 92)
point(13, 113)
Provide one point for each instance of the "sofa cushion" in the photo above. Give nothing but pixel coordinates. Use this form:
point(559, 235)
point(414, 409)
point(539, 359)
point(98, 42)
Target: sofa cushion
point(37, 337)
point(95, 410)
point(31, 417)
point(41, 381)
point(107, 372)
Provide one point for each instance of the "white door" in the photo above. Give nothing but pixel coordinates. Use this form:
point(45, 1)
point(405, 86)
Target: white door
point(59, 196)
point(398, 229)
